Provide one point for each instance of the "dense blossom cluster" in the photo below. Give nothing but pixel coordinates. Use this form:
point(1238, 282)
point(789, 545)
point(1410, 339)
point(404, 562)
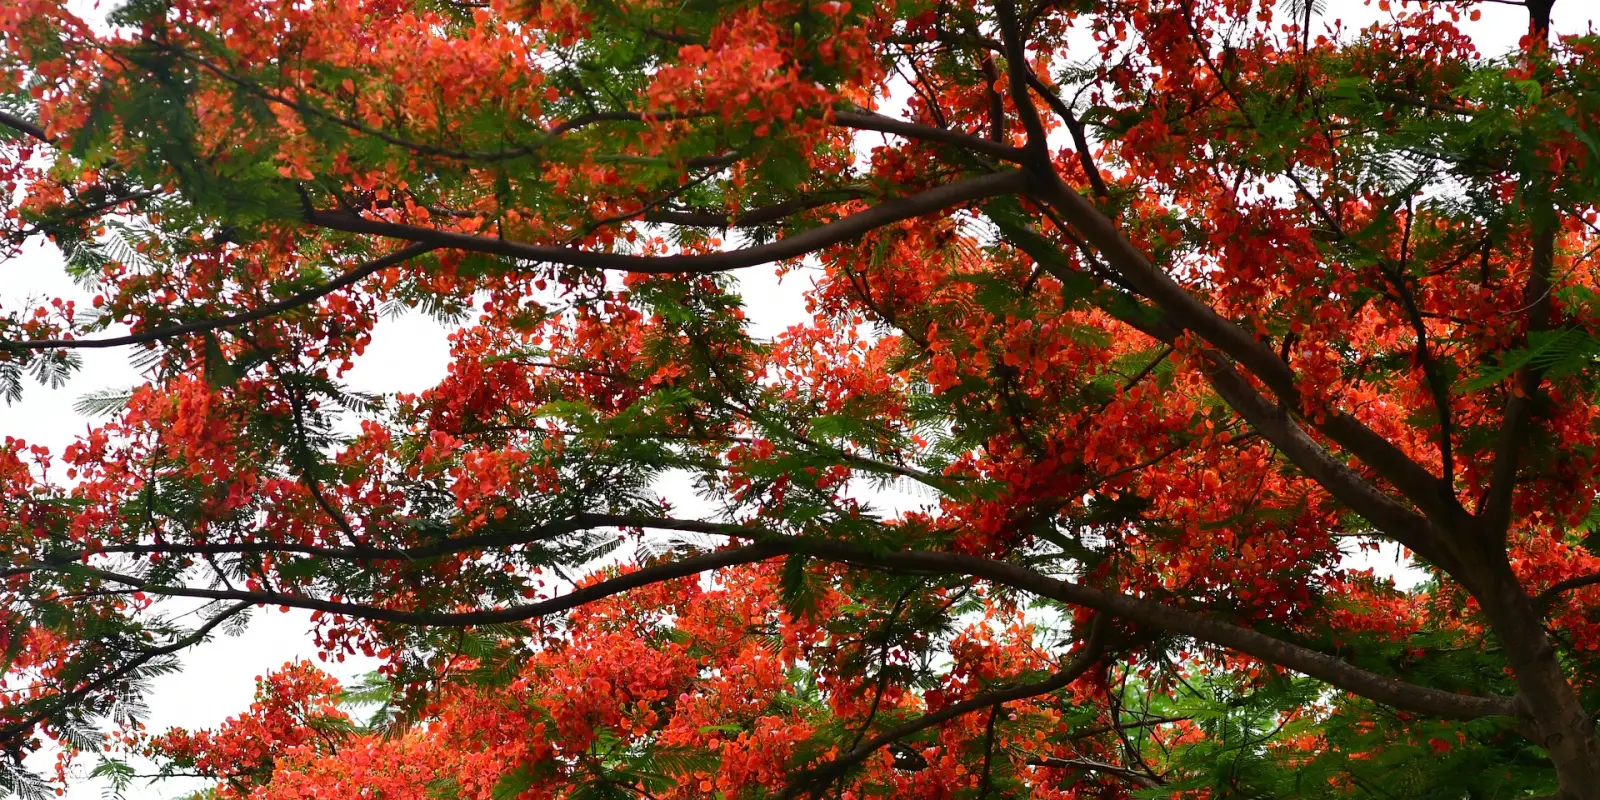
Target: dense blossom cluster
point(1128, 323)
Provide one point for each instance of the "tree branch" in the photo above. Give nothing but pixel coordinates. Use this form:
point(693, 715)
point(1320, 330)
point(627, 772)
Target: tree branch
point(871, 121)
point(888, 213)
point(1438, 386)
point(1519, 409)
point(1184, 312)
point(1080, 136)
point(647, 576)
point(765, 215)
point(1385, 513)
point(1547, 598)
point(27, 127)
point(1323, 667)
point(1138, 723)
point(1089, 765)
point(201, 326)
point(466, 544)
point(825, 774)
point(997, 104)
point(1011, 34)
point(22, 727)
point(1267, 648)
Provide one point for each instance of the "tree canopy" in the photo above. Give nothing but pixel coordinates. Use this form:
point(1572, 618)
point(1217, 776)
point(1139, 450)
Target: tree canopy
point(1130, 322)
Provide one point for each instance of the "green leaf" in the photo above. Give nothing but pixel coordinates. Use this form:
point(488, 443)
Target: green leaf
point(512, 784)
point(794, 586)
point(103, 403)
point(1557, 352)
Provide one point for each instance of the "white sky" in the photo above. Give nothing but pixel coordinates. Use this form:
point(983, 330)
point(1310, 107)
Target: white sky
point(410, 354)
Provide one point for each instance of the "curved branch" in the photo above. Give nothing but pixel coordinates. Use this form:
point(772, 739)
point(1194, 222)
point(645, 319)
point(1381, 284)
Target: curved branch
point(647, 576)
point(1546, 598)
point(1080, 135)
point(1438, 385)
point(202, 326)
point(1391, 517)
point(997, 104)
point(562, 527)
point(1517, 420)
point(108, 204)
point(764, 215)
point(1089, 765)
point(81, 213)
point(936, 199)
point(870, 121)
point(1323, 667)
point(1012, 35)
point(825, 774)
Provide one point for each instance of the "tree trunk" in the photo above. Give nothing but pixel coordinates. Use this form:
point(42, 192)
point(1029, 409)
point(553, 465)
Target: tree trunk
point(1552, 715)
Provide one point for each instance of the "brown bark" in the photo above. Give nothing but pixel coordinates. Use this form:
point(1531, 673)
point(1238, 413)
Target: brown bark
point(1548, 707)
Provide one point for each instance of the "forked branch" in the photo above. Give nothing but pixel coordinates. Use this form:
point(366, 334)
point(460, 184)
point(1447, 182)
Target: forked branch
point(817, 779)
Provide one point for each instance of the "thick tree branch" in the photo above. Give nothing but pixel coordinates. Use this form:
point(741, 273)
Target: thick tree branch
point(1321, 666)
point(1433, 495)
point(1187, 312)
point(1389, 516)
point(1548, 597)
point(1275, 424)
point(27, 127)
point(870, 121)
point(888, 213)
point(1012, 35)
point(1080, 136)
point(1517, 421)
point(1267, 648)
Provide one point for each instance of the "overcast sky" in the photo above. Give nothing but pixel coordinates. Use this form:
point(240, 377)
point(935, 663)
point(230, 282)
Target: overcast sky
point(410, 354)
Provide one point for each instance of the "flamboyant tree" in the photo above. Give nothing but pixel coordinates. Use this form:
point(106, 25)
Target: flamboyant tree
point(1150, 312)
